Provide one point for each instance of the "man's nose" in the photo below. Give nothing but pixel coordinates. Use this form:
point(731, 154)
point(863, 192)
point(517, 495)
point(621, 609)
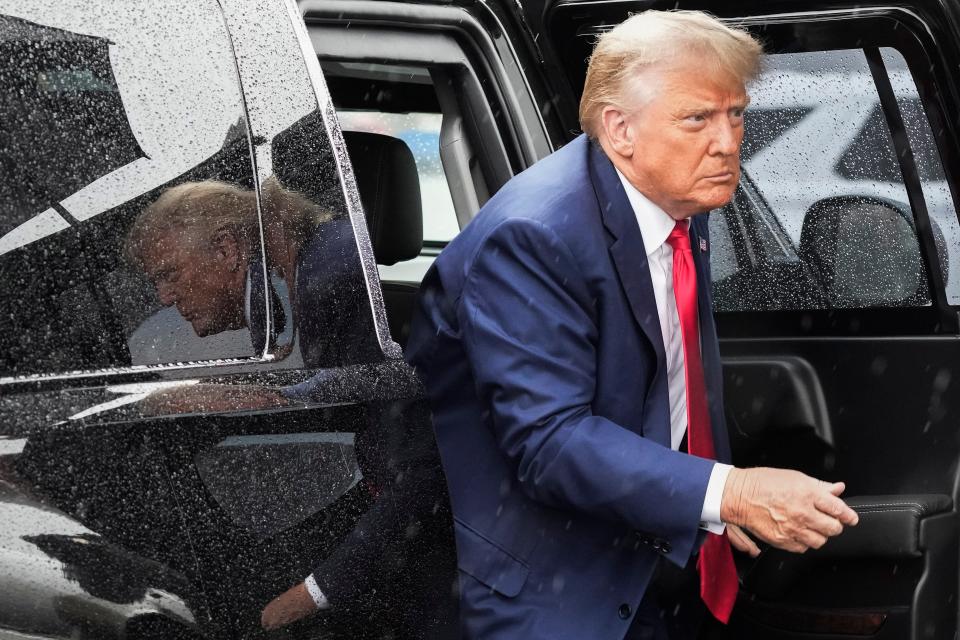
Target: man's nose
point(726, 139)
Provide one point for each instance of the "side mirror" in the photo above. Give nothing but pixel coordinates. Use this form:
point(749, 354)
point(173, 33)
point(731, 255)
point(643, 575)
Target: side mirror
point(864, 252)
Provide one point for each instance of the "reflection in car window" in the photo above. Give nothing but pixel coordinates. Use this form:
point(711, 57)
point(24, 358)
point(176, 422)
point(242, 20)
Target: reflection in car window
point(766, 125)
point(106, 118)
point(817, 151)
point(871, 156)
point(723, 258)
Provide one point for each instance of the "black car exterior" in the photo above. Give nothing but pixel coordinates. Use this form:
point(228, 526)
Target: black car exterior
point(154, 483)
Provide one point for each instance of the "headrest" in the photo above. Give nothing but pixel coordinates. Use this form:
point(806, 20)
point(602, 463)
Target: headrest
point(390, 192)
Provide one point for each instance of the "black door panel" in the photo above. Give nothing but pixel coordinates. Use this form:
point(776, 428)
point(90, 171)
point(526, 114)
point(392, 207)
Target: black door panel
point(888, 406)
point(776, 412)
point(892, 576)
point(888, 403)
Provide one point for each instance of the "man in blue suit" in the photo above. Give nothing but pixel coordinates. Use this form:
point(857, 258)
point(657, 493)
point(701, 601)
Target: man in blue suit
point(568, 368)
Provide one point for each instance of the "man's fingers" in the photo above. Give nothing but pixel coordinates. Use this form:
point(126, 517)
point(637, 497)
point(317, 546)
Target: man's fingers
point(837, 508)
point(837, 488)
point(741, 541)
point(811, 539)
point(792, 546)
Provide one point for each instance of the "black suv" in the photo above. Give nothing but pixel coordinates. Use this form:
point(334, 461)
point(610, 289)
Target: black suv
point(194, 417)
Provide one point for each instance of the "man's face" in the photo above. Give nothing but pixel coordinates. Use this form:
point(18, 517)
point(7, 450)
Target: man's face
point(685, 141)
point(206, 284)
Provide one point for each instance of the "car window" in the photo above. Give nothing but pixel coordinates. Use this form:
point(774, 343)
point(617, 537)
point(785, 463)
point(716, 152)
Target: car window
point(400, 101)
point(933, 181)
point(766, 124)
point(830, 216)
point(421, 133)
point(110, 134)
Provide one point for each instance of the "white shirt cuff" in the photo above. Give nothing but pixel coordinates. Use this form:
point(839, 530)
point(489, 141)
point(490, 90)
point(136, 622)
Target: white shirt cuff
point(318, 598)
point(710, 514)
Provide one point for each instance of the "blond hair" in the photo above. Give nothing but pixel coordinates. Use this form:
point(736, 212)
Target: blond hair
point(205, 208)
point(660, 39)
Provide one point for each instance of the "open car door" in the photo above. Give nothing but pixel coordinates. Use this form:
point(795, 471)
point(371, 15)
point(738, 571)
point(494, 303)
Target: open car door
point(836, 291)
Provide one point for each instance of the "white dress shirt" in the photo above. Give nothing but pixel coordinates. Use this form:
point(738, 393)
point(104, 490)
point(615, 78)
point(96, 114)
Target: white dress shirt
point(655, 227)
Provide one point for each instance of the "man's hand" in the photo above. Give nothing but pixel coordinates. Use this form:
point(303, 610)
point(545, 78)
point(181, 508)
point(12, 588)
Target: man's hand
point(785, 508)
point(290, 606)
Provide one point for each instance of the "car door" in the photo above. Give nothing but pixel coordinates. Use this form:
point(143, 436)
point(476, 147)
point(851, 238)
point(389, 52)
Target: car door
point(201, 404)
point(833, 272)
point(440, 82)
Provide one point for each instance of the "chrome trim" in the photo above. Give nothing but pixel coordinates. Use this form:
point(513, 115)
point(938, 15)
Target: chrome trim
point(137, 368)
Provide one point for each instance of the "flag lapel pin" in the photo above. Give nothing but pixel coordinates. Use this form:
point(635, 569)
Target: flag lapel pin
point(703, 245)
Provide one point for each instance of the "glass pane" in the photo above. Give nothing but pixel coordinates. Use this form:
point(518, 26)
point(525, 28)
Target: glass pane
point(830, 199)
point(936, 191)
point(723, 258)
point(421, 132)
point(108, 130)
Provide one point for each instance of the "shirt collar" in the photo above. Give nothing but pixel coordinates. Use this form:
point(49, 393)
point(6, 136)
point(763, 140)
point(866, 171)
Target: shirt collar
point(655, 223)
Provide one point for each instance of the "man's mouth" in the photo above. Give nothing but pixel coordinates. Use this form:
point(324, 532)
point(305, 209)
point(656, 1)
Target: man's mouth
point(723, 176)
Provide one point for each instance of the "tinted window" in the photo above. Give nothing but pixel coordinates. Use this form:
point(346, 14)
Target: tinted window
point(826, 221)
point(106, 127)
point(764, 125)
point(936, 191)
point(871, 156)
point(320, 308)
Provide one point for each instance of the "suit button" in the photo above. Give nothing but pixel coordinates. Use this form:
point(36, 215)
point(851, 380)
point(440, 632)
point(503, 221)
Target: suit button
point(665, 547)
point(624, 611)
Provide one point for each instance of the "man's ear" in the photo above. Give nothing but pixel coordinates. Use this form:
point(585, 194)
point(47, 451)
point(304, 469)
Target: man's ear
point(226, 248)
point(617, 130)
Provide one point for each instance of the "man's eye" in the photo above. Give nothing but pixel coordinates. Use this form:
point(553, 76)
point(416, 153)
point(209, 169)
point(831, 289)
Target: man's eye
point(696, 117)
point(737, 113)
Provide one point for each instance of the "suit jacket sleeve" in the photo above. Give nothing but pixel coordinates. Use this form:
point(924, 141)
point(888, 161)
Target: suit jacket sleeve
point(527, 320)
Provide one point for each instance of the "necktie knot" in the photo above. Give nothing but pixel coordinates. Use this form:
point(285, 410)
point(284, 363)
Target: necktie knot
point(679, 238)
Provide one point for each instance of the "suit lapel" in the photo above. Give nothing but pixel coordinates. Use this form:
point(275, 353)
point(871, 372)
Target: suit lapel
point(626, 249)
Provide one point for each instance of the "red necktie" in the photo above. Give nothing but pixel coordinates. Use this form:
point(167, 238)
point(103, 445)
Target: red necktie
point(718, 575)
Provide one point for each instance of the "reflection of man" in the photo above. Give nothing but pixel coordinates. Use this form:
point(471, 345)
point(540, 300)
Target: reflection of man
point(199, 242)
point(569, 353)
point(196, 243)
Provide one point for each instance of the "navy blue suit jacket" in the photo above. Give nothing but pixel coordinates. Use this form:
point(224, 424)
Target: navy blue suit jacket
point(537, 337)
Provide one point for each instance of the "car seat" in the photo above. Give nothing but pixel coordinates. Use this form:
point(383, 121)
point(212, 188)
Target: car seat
point(389, 187)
